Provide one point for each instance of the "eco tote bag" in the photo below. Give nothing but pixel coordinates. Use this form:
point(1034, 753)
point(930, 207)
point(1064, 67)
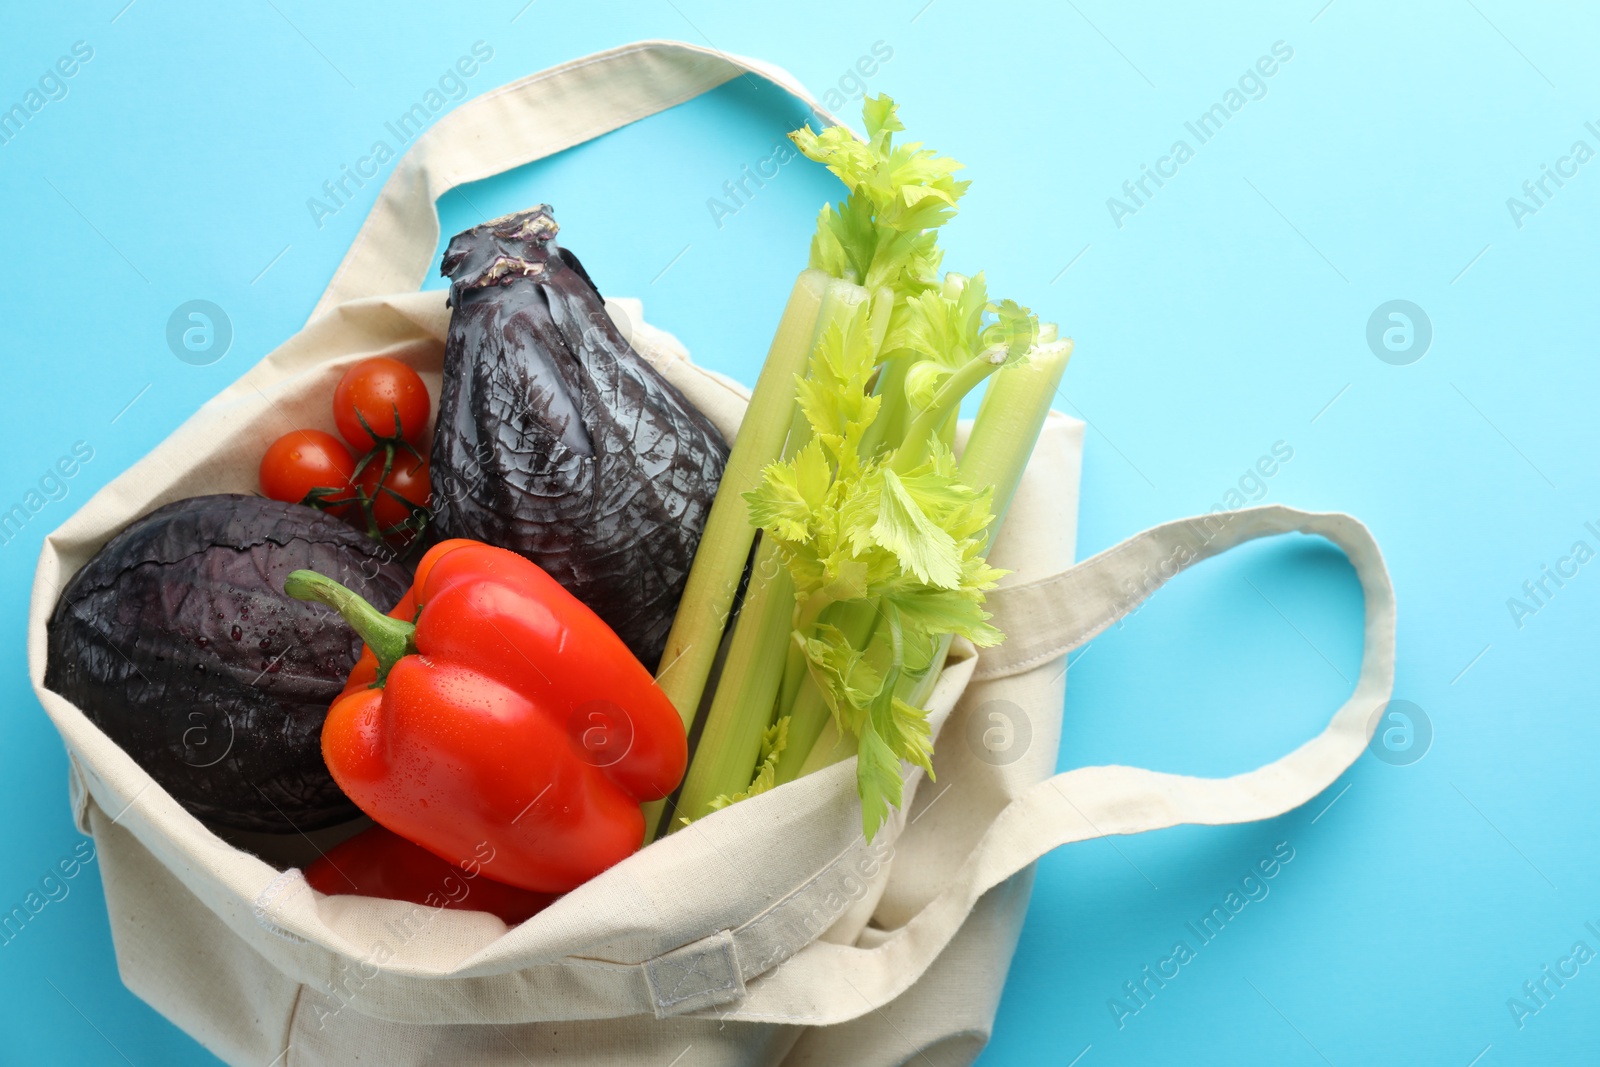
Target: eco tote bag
point(767, 933)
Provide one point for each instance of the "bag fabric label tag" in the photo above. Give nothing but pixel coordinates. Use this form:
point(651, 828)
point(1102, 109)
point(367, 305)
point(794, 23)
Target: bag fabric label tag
point(701, 974)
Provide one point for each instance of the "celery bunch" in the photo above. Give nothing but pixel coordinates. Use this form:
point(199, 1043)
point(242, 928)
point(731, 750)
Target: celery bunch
point(872, 535)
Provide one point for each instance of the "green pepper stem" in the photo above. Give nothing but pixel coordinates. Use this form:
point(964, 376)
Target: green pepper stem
point(388, 638)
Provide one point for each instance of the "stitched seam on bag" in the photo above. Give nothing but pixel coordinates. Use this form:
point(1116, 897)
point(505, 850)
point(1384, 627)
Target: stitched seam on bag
point(826, 1020)
point(1066, 644)
point(645, 46)
point(1023, 666)
point(785, 1016)
point(837, 859)
point(268, 897)
point(1092, 563)
point(1074, 639)
point(778, 909)
point(754, 922)
point(611, 966)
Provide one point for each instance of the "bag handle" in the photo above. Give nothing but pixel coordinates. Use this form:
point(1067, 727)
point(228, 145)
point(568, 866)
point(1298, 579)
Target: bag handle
point(520, 122)
point(1095, 802)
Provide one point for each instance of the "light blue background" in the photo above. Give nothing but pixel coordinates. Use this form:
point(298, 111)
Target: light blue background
point(1228, 314)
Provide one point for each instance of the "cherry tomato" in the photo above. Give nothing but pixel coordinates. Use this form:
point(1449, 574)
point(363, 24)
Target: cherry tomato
point(303, 460)
point(380, 390)
point(408, 477)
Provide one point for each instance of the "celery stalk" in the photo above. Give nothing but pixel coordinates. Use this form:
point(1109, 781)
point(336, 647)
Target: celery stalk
point(741, 708)
point(830, 747)
point(1007, 426)
point(1009, 419)
point(725, 545)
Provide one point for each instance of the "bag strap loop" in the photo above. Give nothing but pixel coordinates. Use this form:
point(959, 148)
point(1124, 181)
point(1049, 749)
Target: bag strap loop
point(518, 123)
point(1091, 802)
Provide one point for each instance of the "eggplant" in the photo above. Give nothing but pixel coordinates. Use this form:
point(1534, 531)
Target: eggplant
point(178, 641)
point(557, 440)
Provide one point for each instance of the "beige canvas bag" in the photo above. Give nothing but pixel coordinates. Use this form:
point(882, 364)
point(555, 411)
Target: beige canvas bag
point(768, 933)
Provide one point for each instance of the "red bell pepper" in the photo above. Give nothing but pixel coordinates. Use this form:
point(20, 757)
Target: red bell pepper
point(380, 863)
point(506, 715)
